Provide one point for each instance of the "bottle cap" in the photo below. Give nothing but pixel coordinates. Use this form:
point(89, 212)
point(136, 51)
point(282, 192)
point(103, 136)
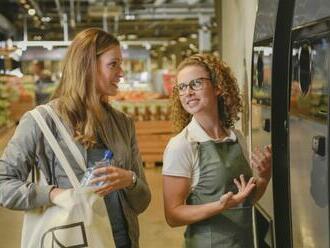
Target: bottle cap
point(107, 155)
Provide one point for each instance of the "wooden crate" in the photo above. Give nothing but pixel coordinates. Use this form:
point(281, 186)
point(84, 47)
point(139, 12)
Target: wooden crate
point(152, 137)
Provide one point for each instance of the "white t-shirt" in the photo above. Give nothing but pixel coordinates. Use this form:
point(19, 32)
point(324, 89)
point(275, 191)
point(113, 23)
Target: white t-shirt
point(181, 156)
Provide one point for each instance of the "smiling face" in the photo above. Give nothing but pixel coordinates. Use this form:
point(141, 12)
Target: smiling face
point(109, 71)
point(199, 101)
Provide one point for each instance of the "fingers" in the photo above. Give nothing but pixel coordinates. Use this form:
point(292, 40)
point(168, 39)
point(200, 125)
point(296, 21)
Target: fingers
point(242, 180)
point(226, 197)
point(257, 155)
point(104, 190)
point(108, 188)
point(240, 184)
point(230, 199)
point(244, 189)
point(250, 186)
point(112, 178)
point(261, 160)
point(106, 178)
point(268, 148)
point(104, 170)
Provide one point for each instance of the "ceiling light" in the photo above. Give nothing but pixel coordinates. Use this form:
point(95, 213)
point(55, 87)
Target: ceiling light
point(45, 19)
point(32, 12)
point(129, 17)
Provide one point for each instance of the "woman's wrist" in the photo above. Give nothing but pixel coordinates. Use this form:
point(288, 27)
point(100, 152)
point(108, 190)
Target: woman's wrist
point(262, 180)
point(134, 180)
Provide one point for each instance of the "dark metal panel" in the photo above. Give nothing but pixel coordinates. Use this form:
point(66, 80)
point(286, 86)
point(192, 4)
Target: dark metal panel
point(308, 118)
point(265, 20)
point(307, 11)
point(280, 88)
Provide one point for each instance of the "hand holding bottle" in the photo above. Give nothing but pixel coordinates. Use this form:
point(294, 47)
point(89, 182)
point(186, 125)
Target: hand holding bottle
point(90, 172)
point(114, 178)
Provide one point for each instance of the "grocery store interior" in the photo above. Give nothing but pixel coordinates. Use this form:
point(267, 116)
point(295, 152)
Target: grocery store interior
point(155, 36)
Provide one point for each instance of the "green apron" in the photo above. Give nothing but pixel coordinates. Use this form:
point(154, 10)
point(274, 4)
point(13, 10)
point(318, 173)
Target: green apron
point(219, 164)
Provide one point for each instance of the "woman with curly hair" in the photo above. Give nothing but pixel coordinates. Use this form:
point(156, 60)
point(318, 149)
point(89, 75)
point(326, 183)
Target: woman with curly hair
point(207, 179)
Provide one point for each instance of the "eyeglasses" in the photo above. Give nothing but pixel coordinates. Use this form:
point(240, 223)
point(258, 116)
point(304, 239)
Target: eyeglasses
point(195, 84)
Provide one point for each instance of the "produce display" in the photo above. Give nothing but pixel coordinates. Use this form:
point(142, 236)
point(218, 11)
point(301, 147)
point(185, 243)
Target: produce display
point(16, 97)
point(8, 94)
point(142, 106)
point(4, 103)
point(136, 96)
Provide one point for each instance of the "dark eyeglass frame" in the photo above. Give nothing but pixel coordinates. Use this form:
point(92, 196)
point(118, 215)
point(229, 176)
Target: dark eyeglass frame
point(195, 85)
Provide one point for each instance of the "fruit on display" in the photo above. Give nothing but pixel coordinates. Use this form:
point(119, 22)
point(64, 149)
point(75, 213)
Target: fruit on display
point(136, 96)
point(7, 94)
point(142, 105)
point(16, 97)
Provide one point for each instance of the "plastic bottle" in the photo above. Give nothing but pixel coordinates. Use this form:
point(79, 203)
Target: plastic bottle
point(89, 175)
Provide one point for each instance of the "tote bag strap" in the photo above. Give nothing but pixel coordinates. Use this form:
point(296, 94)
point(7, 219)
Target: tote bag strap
point(56, 148)
point(67, 138)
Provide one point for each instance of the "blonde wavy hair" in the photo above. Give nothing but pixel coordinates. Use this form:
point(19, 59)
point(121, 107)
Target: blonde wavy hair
point(78, 103)
point(229, 102)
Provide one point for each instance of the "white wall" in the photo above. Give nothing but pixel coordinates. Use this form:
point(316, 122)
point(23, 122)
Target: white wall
point(238, 26)
point(238, 18)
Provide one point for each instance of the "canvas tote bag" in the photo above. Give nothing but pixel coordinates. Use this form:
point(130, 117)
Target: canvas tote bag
point(78, 217)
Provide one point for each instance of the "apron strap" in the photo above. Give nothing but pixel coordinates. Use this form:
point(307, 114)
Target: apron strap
point(242, 141)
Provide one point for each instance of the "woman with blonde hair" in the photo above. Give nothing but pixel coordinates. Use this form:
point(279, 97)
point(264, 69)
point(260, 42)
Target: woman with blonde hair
point(92, 70)
point(207, 179)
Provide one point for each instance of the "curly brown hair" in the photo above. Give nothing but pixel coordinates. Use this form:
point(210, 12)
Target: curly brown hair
point(229, 102)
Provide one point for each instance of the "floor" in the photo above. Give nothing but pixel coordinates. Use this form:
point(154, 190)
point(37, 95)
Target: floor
point(154, 230)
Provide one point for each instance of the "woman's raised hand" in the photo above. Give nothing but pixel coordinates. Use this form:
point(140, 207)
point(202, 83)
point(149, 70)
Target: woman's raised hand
point(230, 199)
point(262, 163)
